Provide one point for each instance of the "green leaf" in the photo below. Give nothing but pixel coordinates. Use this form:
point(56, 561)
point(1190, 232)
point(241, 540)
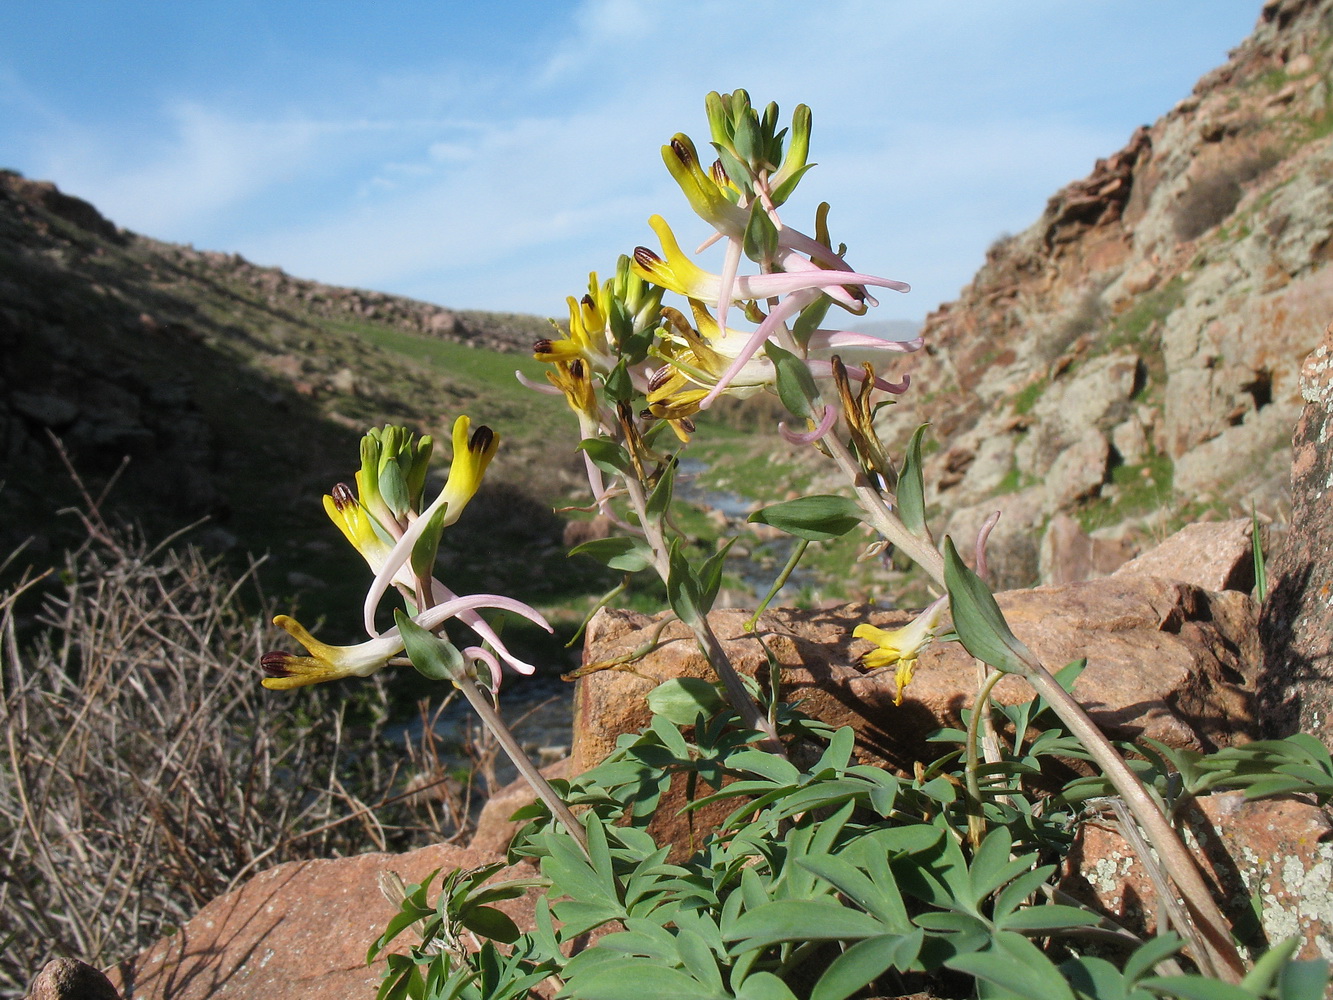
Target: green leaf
point(615, 980)
point(1304, 980)
point(428, 545)
point(435, 658)
point(800, 920)
point(764, 986)
point(710, 576)
point(1096, 977)
point(1147, 955)
point(629, 555)
point(683, 588)
point(766, 765)
point(796, 386)
point(761, 236)
point(1015, 964)
point(682, 699)
point(978, 620)
point(619, 387)
point(809, 319)
point(1196, 988)
point(1260, 977)
point(817, 518)
point(607, 455)
point(660, 499)
point(393, 488)
point(879, 898)
point(912, 487)
point(490, 923)
point(1050, 917)
point(864, 962)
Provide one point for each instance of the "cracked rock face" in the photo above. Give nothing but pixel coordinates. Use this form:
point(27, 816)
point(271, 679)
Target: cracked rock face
point(1296, 688)
point(1155, 316)
point(1274, 850)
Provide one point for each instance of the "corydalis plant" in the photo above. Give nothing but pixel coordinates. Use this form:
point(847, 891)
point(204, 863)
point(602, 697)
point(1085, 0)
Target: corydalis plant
point(399, 539)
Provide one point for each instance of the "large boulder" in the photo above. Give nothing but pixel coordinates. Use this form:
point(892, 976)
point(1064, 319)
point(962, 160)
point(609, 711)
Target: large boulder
point(1166, 660)
point(298, 931)
point(1296, 689)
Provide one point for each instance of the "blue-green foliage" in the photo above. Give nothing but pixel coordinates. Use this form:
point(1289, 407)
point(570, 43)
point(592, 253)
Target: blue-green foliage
point(830, 879)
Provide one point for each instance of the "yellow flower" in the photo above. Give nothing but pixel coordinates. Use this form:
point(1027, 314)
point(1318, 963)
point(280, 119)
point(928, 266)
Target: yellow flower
point(901, 646)
point(473, 451)
point(324, 662)
point(696, 360)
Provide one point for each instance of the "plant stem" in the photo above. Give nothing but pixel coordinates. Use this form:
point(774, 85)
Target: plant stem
point(797, 551)
point(500, 730)
point(884, 520)
point(980, 706)
point(1173, 854)
point(746, 707)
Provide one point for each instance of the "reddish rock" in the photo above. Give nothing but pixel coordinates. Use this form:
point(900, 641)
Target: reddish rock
point(1165, 660)
point(300, 930)
point(494, 827)
point(1277, 850)
point(1214, 556)
point(1069, 554)
point(1296, 689)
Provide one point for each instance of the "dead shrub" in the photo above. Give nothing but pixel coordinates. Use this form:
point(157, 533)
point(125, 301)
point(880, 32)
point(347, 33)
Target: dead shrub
point(1212, 198)
point(144, 770)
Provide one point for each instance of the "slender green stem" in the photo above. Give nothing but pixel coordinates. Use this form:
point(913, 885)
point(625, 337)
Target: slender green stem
point(1171, 851)
point(746, 707)
point(500, 730)
point(980, 707)
point(797, 551)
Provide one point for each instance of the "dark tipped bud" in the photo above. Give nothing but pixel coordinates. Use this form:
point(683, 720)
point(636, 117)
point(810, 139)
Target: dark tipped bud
point(275, 664)
point(542, 346)
point(646, 258)
point(659, 378)
point(343, 497)
point(576, 369)
point(481, 438)
point(682, 151)
point(588, 302)
point(719, 173)
point(688, 425)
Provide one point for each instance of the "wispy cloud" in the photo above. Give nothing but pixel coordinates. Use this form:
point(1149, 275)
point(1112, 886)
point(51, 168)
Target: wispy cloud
point(936, 127)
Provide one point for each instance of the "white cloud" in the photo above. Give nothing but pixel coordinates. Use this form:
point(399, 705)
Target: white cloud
point(935, 128)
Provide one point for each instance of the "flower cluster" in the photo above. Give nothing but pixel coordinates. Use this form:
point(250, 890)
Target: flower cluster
point(384, 521)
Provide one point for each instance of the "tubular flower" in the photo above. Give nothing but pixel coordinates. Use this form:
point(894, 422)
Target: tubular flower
point(696, 360)
point(589, 337)
point(324, 662)
point(711, 201)
point(901, 646)
point(473, 451)
point(677, 273)
point(328, 663)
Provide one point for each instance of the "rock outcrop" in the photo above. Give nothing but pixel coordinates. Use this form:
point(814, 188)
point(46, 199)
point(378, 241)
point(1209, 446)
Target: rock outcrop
point(1296, 689)
point(299, 931)
point(1132, 358)
point(1273, 851)
point(1166, 661)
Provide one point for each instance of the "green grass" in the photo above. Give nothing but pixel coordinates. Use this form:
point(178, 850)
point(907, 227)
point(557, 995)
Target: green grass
point(1141, 487)
point(1027, 397)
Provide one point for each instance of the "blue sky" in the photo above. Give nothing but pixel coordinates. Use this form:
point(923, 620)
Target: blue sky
point(490, 155)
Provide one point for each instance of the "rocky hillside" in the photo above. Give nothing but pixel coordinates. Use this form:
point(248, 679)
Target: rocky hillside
point(1130, 361)
point(237, 393)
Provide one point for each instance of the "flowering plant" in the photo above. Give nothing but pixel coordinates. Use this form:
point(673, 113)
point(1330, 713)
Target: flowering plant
point(831, 878)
